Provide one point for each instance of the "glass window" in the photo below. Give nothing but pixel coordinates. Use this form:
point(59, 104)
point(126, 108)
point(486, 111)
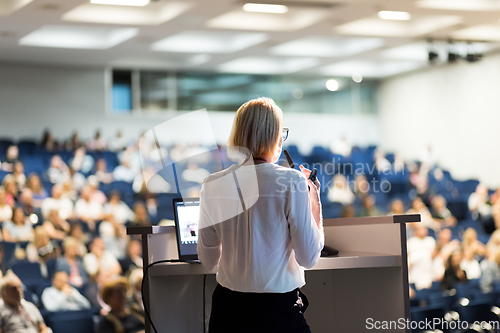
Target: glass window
point(121, 92)
point(154, 90)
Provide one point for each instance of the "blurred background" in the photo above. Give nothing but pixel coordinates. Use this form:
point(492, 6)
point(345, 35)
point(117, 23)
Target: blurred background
point(395, 102)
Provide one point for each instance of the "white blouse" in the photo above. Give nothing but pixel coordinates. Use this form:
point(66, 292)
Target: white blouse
point(266, 246)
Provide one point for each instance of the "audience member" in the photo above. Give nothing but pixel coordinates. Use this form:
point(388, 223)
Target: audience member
point(141, 216)
point(5, 209)
point(97, 143)
point(48, 143)
point(16, 314)
point(96, 194)
point(114, 235)
point(120, 211)
point(81, 238)
point(11, 158)
point(420, 249)
point(63, 297)
point(369, 208)
point(82, 162)
point(470, 241)
point(441, 213)
point(339, 191)
point(397, 207)
point(120, 318)
point(71, 264)
point(135, 283)
point(133, 258)
point(419, 207)
point(102, 173)
point(20, 229)
point(445, 245)
point(480, 207)
point(58, 171)
point(10, 188)
point(58, 202)
point(55, 226)
point(19, 176)
point(73, 143)
point(124, 172)
point(341, 146)
point(26, 204)
point(100, 260)
point(453, 273)
point(490, 272)
point(470, 265)
point(118, 143)
point(41, 249)
point(88, 210)
point(361, 188)
point(35, 185)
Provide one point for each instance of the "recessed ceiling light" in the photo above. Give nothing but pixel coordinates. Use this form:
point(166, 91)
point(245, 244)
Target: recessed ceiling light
point(394, 15)
point(138, 3)
point(332, 85)
point(357, 77)
point(265, 8)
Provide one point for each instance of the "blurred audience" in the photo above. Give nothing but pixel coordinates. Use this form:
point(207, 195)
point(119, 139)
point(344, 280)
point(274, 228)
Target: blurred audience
point(16, 314)
point(63, 297)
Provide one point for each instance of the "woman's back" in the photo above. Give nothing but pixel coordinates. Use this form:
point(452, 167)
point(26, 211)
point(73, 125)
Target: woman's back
point(265, 227)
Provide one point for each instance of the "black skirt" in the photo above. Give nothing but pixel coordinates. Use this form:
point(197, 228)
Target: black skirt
point(238, 312)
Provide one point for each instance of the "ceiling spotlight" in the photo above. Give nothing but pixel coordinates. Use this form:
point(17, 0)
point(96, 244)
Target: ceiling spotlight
point(394, 15)
point(137, 3)
point(265, 8)
point(332, 85)
point(357, 77)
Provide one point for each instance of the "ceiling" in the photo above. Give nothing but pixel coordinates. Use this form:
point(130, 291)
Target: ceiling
point(316, 37)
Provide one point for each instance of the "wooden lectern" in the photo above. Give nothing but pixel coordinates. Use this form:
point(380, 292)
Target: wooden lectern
point(366, 282)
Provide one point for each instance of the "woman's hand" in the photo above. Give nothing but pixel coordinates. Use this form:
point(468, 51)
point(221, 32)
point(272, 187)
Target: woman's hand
point(307, 173)
point(314, 197)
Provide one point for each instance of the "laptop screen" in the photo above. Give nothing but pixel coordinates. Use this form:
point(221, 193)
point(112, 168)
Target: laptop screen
point(187, 216)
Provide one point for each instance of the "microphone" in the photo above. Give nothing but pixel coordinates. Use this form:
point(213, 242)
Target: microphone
point(289, 159)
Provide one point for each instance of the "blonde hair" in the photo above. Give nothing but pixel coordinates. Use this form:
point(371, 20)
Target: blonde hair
point(257, 126)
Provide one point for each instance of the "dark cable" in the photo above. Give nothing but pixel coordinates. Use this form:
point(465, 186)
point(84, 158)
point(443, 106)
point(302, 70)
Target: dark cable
point(142, 289)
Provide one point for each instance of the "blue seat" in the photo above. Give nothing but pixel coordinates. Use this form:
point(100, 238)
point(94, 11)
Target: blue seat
point(27, 147)
point(3, 174)
point(71, 321)
point(8, 251)
point(29, 273)
point(427, 313)
point(476, 311)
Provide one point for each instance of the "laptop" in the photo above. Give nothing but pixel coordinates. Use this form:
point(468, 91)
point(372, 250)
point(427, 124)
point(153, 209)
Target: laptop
point(186, 218)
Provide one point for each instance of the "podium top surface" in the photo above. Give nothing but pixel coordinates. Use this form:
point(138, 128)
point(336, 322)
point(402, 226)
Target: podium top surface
point(343, 221)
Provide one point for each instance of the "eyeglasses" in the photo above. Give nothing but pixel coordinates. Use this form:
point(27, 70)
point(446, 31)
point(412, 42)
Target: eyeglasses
point(284, 133)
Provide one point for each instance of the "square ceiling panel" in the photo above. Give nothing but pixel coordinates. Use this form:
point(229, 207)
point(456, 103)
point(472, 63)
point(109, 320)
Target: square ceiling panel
point(370, 68)
point(294, 19)
point(327, 46)
point(483, 32)
point(8, 7)
point(161, 61)
point(267, 65)
point(74, 37)
point(465, 5)
point(417, 26)
point(153, 14)
point(208, 41)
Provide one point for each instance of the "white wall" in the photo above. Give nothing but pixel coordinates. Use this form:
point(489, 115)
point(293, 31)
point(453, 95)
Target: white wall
point(33, 98)
point(455, 109)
